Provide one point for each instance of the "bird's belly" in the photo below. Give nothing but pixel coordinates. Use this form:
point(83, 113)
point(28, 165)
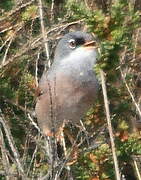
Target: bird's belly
point(65, 99)
point(76, 98)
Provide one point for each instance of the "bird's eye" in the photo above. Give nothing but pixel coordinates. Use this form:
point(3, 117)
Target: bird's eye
point(72, 43)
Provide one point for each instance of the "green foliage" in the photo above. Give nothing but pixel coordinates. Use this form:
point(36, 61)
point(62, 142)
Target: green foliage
point(6, 4)
point(123, 125)
point(95, 164)
point(30, 12)
point(25, 91)
point(5, 88)
point(128, 148)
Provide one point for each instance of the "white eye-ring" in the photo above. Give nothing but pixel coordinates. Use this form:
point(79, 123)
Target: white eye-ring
point(72, 43)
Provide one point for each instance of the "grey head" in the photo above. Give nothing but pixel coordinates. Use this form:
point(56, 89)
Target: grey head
point(70, 42)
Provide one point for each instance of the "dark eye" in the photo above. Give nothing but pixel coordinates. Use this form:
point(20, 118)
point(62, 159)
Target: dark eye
point(72, 43)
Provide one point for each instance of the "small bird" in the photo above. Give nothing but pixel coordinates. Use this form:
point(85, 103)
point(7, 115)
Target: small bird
point(68, 89)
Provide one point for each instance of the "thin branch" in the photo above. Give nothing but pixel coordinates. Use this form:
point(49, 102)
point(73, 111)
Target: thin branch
point(33, 156)
point(4, 155)
point(135, 40)
point(137, 169)
point(52, 11)
point(6, 52)
point(65, 153)
point(109, 125)
point(68, 155)
point(122, 74)
point(11, 144)
point(130, 92)
point(36, 69)
point(5, 42)
point(43, 32)
point(33, 123)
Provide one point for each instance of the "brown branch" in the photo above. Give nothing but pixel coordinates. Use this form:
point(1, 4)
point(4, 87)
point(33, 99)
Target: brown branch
point(32, 159)
point(12, 146)
point(34, 123)
point(109, 125)
point(43, 32)
point(36, 69)
point(65, 153)
point(137, 169)
point(5, 42)
point(5, 159)
point(52, 11)
point(125, 82)
point(130, 92)
point(6, 51)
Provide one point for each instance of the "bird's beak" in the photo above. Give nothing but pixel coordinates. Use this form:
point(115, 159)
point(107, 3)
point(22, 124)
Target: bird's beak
point(91, 44)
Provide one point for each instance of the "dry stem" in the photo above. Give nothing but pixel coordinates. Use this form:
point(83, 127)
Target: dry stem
point(43, 32)
point(109, 125)
point(13, 148)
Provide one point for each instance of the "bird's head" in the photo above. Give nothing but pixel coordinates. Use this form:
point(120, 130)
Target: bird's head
point(74, 41)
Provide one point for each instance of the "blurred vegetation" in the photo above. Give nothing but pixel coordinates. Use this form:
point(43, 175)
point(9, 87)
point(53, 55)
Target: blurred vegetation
point(117, 26)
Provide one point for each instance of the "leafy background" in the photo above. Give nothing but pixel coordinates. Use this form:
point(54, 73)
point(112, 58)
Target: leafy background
point(117, 26)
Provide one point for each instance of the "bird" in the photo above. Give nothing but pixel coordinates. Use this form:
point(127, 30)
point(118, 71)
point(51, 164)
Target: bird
point(69, 88)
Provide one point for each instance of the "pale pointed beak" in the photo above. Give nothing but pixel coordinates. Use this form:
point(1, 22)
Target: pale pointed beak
point(91, 44)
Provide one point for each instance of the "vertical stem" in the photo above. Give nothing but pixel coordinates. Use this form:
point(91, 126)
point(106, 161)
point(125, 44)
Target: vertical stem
point(5, 159)
point(65, 153)
point(13, 148)
point(52, 11)
point(36, 70)
point(137, 169)
point(43, 32)
point(130, 92)
point(109, 125)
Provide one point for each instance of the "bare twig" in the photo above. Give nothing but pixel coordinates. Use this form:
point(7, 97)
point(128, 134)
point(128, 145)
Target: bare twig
point(33, 123)
point(85, 131)
point(13, 148)
point(123, 76)
point(6, 52)
point(52, 11)
point(137, 169)
point(65, 153)
point(63, 163)
point(130, 93)
point(4, 155)
point(135, 39)
point(36, 69)
point(109, 125)
point(5, 42)
point(43, 32)
point(33, 156)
